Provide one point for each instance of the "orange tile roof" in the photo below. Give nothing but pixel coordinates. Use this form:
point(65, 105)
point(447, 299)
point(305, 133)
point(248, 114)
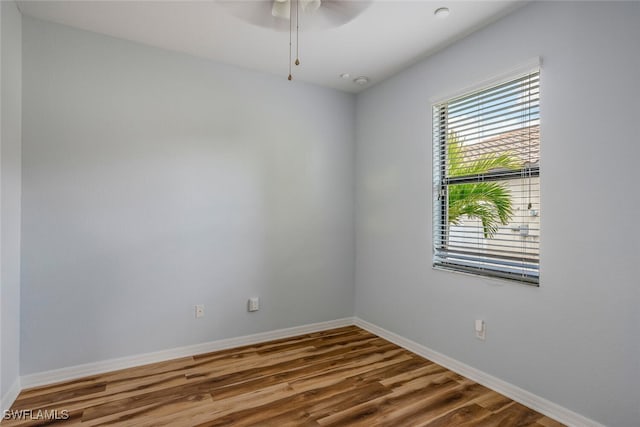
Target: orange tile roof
point(523, 143)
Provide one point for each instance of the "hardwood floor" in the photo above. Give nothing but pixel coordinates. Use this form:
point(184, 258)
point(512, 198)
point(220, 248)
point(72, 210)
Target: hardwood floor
point(340, 377)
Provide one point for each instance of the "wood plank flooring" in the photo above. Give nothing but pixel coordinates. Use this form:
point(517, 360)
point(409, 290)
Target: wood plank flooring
point(341, 377)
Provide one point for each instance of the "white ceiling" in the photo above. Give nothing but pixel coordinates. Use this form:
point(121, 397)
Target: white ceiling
point(385, 38)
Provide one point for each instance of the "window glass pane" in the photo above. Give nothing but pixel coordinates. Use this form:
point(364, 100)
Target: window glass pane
point(486, 181)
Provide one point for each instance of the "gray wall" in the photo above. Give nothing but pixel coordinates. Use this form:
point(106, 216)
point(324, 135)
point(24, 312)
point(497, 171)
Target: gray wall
point(153, 181)
point(574, 340)
point(10, 139)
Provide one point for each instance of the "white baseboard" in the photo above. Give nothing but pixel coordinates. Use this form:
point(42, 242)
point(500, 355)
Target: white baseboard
point(74, 372)
point(10, 396)
point(528, 399)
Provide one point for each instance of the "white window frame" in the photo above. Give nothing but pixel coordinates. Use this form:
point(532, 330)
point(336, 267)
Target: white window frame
point(497, 267)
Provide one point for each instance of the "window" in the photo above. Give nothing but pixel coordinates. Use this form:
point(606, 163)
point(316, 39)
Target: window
point(486, 177)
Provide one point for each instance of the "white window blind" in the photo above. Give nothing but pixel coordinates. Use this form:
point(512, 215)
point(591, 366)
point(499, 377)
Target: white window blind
point(486, 176)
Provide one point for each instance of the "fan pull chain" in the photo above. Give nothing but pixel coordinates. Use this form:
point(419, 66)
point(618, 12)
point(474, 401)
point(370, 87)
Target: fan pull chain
point(297, 33)
point(290, 48)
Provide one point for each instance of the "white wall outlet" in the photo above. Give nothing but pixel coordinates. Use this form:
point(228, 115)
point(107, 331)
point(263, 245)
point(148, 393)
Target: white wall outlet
point(481, 329)
point(199, 311)
point(253, 304)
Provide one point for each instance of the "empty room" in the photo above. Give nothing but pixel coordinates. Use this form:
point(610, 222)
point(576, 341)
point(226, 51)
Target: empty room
point(320, 213)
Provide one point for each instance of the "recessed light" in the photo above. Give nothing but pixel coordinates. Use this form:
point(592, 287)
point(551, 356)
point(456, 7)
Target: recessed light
point(362, 80)
point(345, 75)
point(441, 12)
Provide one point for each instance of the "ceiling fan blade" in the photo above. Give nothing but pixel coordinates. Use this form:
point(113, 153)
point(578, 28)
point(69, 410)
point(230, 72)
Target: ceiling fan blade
point(258, 13)
point(337, 12)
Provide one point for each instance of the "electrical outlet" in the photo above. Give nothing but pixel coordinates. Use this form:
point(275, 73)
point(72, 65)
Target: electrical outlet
point(199, 311)
point(481, 329)
point(253, 304)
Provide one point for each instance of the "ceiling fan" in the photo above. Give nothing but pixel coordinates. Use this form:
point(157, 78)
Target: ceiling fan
point(313, 14)
point(284, 15)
